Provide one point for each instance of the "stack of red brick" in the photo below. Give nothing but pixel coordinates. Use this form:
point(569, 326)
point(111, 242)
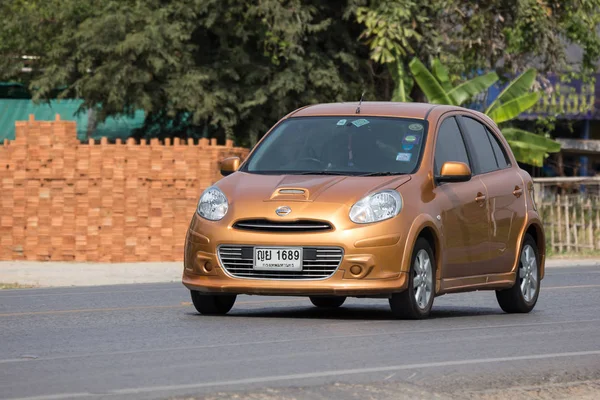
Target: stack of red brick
point(63, 200)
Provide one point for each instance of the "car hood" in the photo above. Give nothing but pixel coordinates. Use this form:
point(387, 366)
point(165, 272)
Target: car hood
point(242, 187)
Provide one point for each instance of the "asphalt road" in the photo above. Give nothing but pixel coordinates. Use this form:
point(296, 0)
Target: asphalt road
point(147, 341)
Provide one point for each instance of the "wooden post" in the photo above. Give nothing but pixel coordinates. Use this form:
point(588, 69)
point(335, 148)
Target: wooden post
point(552, 228)
point(590, 223)
point(574, 203)
point(559, 220)
point(561, 164)
point(597, 224)
point(567, 224)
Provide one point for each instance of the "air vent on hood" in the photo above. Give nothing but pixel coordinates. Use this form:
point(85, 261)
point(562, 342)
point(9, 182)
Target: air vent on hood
point(291, 191)
point(265, 225)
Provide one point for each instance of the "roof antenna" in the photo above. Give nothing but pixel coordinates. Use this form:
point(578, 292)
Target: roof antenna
point(359, 103)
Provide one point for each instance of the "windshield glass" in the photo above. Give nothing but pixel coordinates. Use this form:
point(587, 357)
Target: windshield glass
point(341, 145)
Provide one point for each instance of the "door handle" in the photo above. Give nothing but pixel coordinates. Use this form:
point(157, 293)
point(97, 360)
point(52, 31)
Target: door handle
point(517, 192)
point(480, 198)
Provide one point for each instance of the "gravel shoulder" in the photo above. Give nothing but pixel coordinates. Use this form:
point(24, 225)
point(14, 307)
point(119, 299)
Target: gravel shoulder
point(579, 390)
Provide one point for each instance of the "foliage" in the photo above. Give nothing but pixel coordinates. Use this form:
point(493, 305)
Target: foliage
point(516, 98)
point(529, 148)
point(231, 68)
point(216, 67)
point(395, 30)
point(439, 90)
point(404, 83)
point(518, 34)
point(509, 36)
point(391, 28)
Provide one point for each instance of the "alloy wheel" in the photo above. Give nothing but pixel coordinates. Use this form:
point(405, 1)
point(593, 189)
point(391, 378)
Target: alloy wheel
point(528, 273)
point(422, 279)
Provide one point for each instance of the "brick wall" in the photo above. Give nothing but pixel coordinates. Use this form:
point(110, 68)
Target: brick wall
point(63, 200)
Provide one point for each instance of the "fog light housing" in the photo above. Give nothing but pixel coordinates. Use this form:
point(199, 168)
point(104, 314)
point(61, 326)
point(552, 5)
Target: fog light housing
point(208, 266)
point(356, 270)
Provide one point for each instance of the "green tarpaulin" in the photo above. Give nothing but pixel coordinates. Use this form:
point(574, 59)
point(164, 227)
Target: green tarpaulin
point(12, 110)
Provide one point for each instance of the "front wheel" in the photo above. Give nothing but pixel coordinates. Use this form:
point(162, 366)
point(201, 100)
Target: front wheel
point(416, 301)
point(328, 301)
point(211, 304)
point(523, 295)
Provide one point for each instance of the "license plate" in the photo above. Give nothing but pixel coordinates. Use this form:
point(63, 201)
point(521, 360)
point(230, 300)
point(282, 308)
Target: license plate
point(278, 258)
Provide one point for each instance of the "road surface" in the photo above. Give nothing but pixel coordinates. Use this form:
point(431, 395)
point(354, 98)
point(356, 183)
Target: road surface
point(147, 341)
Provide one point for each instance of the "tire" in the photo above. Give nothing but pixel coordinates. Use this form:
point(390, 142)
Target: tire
point(406, 304)
point(523, 295)
point(328, 301)
point(212, 304)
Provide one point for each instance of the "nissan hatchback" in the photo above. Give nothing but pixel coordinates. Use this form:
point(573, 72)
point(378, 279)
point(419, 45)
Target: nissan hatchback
point(388, 200)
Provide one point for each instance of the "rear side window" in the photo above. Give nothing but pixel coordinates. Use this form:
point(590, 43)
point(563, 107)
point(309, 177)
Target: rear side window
point(501, 157)
point(450, 145)
point(482, 150)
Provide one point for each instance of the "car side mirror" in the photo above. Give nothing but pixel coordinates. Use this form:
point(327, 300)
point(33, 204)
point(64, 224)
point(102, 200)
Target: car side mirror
point(229, 165)
point(454, 171)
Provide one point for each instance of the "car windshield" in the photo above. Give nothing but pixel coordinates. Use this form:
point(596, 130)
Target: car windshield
point(342, 145)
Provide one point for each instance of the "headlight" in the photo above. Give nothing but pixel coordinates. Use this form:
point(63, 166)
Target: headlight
point(213, 204)
point(376, 207)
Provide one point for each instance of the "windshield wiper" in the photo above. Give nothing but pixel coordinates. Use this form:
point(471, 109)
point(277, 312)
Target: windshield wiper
point(323, 173)
point(380, 174)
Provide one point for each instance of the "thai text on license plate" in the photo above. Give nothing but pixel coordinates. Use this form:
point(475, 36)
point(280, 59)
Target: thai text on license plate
point(278, 258)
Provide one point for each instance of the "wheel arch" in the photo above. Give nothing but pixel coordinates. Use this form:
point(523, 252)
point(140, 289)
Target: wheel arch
point(536, 230)
point(424, 226)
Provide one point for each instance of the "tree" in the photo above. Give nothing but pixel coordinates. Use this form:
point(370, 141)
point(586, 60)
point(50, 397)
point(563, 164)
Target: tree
point(505, 35)
point(224, 68)
point(518, 34)
point(394, 30)
point(516, 98)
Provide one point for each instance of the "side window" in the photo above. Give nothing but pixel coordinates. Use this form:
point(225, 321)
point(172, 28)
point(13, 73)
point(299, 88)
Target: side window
point(450, 145)
point(482, 147)
point(499, 152)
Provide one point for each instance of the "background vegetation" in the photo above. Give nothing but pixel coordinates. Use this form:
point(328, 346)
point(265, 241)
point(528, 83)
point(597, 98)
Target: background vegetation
point(231, 68)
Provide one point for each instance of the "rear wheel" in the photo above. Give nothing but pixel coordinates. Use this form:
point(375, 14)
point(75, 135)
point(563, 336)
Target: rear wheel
point(328, 301)
point(523, 295)
point(416, 301)
point(213, 304)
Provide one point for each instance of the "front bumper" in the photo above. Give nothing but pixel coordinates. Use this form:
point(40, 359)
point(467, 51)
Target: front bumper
point(335, 285)
point(376, 250)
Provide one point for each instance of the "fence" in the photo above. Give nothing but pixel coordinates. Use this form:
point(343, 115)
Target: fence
point(63, 200)
point(572, 223)
point(570, 210)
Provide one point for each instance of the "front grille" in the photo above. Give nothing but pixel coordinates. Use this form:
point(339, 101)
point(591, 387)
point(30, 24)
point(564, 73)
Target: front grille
point(317, 263)
point(265, 225)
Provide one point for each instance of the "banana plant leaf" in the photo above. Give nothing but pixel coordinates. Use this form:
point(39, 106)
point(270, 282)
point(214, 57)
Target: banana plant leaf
point(403, 83)
point(527, 153)
point(441, 74)
point(515, 89)
point(532, 139)
point(434, 92)
point(513, 108)
point(470, 88)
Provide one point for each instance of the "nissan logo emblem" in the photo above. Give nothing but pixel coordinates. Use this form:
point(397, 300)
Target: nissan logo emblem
point(283, 211)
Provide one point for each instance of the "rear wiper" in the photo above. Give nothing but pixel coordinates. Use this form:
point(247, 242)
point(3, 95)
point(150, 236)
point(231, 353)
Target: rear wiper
point(322, 173)
point(380, 174)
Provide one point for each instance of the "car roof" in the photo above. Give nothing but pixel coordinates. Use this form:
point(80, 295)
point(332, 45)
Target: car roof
point(371, 108)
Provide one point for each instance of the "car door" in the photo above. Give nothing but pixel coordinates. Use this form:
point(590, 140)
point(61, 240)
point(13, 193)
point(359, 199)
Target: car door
point(504, 190)
point(463, 213)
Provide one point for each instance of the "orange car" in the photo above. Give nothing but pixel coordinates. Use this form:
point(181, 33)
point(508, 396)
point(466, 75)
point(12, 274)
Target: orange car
point(390, 200)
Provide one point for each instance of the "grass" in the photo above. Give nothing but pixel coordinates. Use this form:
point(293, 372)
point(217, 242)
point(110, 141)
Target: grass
point(14, 286)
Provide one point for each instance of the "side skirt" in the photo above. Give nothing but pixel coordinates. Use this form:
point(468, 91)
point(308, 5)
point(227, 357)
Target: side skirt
point(480, 282)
